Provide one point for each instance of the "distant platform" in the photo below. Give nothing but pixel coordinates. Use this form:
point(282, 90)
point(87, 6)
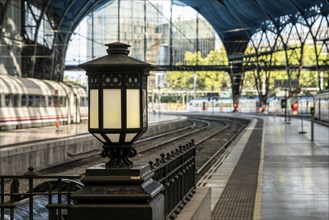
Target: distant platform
point(275, 171)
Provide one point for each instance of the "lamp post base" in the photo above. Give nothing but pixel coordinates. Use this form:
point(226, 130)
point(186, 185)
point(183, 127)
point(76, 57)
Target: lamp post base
point(118, 193)
point(119, 156)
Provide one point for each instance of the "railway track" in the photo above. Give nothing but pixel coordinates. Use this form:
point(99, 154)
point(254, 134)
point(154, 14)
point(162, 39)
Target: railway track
point(142, 145)
point(213, 139)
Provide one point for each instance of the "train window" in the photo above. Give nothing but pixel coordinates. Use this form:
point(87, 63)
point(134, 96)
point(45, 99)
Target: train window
point(8, 100)
point(83, 101)
point(42, 101)
point(50, 101)
point(39, 101)
point(23, 100)
point(56, 101)
point(30, 100)
point(15, 100)
point(62, 101)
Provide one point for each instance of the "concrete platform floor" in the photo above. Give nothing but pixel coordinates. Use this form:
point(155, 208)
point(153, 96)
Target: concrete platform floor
point(296, 171)
point(293, 180)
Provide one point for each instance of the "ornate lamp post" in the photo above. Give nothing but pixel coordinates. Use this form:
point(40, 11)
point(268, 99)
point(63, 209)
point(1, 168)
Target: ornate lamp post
point(117, 102)
point(117, 118)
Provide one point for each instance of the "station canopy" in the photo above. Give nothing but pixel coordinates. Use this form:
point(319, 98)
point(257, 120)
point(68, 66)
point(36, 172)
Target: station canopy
point(234, 20)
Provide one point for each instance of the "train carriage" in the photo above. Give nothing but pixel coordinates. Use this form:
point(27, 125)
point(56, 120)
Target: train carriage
point(321, 106)
point(222, 105)
point(27, 102)
point(248, 105)
point(225, 105)
point(78, 104)
point(198, 105)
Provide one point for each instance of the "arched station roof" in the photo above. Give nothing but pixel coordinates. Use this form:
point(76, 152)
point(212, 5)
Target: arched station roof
point(234, 20)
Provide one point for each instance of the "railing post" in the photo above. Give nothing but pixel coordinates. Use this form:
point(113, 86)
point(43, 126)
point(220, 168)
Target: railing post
point(14, 189)
point(59, 195)
point(30, 174)
point(50, 201)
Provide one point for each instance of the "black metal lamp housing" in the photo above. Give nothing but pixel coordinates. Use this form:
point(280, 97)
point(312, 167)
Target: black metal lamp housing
point(117, 102)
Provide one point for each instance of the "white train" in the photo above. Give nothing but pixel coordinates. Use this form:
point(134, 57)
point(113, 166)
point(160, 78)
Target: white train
point(27, 102)
point(295, 106)
point(222, 105)
point(321, 106)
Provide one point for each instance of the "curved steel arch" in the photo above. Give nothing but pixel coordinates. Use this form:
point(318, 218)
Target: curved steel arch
point(68, 17)
point(234, 20)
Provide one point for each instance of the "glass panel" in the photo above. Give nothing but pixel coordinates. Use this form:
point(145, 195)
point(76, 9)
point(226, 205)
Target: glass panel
point(63, 101)
point(43, 101)
point(93, 108)
point(115, 138)
point(15, 100)
point(23, 103)
point(112, 108)
point(83, 102)
point(37, 100)
point(129, 137)
point(100, 137)
point(7, 100)
point(30, 100)
point(56, 102)
point(133, 108)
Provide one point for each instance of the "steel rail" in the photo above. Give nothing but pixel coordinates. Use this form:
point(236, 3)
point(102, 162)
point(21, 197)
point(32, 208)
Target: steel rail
point(91, 153)
point(208, 124)
point(225, 149)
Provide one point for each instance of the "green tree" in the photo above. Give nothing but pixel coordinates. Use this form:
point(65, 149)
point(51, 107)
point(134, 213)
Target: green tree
point(206, 80)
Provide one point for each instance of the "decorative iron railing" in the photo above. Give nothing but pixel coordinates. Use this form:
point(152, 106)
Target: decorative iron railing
point(177, 172)
point(21, 197)
point(47, 200)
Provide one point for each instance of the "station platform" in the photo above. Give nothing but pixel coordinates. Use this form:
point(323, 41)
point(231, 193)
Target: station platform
point(19, 136)
point(48, 146)
point(274, 172)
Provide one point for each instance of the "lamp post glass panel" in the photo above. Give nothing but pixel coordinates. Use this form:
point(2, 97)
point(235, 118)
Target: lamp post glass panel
point(117, 102)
